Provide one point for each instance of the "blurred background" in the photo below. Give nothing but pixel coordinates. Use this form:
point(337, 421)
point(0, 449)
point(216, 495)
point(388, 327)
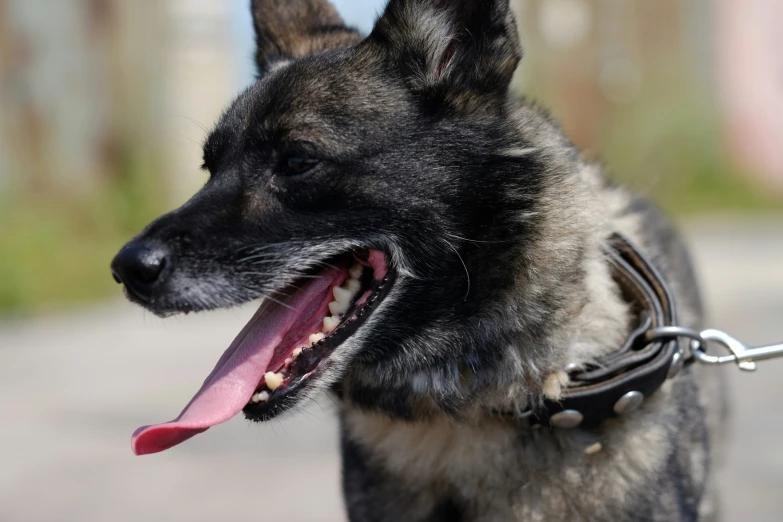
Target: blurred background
point(103, 108)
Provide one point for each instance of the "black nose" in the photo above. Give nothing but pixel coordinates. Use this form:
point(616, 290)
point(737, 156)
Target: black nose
point(139, 268)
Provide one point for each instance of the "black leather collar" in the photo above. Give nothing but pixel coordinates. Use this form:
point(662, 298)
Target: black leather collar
point(618, 383)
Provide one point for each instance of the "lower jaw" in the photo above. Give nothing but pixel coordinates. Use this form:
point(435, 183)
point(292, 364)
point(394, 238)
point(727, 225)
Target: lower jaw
point(305, 372)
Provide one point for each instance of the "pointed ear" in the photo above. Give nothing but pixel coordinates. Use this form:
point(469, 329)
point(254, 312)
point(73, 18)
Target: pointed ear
point(288, 29)
point(462, 44)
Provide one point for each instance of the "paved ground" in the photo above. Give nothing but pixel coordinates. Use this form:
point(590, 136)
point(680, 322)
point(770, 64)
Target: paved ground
point(73, 388)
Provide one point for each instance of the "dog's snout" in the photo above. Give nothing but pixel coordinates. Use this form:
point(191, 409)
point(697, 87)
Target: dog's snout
point(140, 268)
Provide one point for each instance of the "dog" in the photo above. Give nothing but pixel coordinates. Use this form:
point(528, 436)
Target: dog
point(432, 251)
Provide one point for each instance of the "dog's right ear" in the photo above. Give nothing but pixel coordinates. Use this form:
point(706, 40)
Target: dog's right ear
point(289, 29)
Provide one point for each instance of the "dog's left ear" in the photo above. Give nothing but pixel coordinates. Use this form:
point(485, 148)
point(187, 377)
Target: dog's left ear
point(290, 29)
point(464, 44)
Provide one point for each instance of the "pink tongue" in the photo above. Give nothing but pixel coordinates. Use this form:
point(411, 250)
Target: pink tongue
point(235, 379)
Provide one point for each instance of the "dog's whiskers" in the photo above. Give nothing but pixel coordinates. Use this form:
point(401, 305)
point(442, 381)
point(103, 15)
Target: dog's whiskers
point(324, 264)
point(277, 301)
point(255, 257)
point(453, 236)
point(273, 274)
point(463, 264)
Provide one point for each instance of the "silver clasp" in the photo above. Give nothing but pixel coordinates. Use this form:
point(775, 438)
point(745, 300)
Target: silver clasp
point(743, 356)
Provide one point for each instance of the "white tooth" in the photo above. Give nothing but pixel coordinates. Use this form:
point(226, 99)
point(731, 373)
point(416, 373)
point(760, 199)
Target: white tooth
point(273, 380)
point(330, 324)
point(317, 338)
point(297, 353)
point(341, 295)
point(260, 397)
point(353, 286)
point(356, 271)
point(338, 308)
point(288, 361)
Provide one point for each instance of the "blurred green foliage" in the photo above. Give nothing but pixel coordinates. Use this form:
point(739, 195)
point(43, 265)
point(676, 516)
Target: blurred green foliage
point(667, 146)
point(57, 252)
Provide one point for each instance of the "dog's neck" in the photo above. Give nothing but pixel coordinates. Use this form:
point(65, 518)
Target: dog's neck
point(564, 308)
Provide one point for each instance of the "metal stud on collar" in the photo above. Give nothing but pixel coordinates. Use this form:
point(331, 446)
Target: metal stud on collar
point(567, 419)
point(629, 403)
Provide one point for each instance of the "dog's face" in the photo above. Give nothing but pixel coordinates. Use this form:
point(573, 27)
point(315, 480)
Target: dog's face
point(374, 191)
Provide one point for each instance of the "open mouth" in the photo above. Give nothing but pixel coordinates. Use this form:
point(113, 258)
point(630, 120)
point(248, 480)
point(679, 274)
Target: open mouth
point(285, 345)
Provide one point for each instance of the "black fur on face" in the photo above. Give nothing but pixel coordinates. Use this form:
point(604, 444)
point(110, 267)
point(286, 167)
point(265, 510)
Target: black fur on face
point(401, 142)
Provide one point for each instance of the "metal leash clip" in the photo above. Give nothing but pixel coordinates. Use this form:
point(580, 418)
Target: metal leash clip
point(743, 356)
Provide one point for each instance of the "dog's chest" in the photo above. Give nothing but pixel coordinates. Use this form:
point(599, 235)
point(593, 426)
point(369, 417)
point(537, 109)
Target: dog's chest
point(503, 472)
point(431, 452)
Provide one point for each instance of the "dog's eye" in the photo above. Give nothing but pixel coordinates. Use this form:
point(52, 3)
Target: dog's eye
point(293, 165)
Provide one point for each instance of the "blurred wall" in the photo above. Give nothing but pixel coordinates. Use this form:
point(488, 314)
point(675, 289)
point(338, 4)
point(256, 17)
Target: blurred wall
point(600, 63)
point(750, 52)
point(77, 98)
point(205, 72)
point(104, 105)
point(638, 84)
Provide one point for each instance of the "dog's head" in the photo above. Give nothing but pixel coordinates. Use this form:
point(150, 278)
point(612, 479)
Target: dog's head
point(374, 191)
